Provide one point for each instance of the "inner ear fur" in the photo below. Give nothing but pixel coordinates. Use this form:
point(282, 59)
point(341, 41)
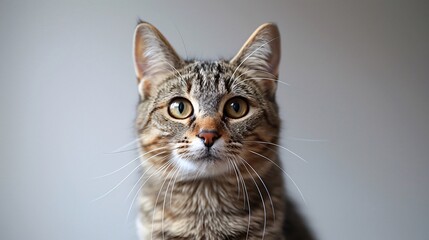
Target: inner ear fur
point(261, 53)
point(154, 57)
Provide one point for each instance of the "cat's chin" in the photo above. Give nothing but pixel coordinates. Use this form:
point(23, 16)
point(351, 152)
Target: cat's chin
point(201, 166)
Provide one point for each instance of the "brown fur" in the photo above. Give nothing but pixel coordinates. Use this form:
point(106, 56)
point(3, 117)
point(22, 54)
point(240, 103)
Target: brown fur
point(233, 190)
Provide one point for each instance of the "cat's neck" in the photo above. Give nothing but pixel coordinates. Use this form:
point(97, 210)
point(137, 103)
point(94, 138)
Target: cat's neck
point(211, 194)
point(221, 200)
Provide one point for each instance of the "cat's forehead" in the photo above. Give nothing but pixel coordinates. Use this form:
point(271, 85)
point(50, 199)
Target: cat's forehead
point(209, 70)
point(207, 82)
point(209, 77)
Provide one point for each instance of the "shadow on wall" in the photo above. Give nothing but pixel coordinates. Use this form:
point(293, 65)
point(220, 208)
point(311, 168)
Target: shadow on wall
point(295, 226)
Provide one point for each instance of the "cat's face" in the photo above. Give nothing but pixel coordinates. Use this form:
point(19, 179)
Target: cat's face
point(205, 118)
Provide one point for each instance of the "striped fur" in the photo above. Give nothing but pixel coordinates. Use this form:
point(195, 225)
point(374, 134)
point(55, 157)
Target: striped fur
point(236, 190)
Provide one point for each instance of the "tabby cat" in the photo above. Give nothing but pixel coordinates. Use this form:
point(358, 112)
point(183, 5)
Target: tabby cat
point(208, 133)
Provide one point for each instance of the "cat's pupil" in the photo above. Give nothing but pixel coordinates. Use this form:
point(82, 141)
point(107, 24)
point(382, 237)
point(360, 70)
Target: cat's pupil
point(181, 107)
point(235, 106)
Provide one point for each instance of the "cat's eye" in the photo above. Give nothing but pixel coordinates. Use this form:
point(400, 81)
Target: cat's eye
point(236, 108)
point(180, 108)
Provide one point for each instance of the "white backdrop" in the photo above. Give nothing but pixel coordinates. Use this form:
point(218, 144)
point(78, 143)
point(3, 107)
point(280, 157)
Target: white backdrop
point(356, 109)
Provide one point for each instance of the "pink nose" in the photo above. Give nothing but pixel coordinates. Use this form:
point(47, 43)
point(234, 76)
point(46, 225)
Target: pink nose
point(208, 136)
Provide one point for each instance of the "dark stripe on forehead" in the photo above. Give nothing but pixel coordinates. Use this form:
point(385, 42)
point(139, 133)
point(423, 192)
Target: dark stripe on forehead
point(217, 73)
point(188, 85)
point(228, 84)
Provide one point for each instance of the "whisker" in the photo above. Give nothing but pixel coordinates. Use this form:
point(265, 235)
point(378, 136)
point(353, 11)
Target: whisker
point(122, 151)
point(265, 186)
point(126, 145)
point(244, 187)
point(290, 151)
point(163, 167)
point(236, 80)
point(117, 185)
point(241, 182)
point(287, 175)
point(181, 77)
point(262, 198)
point(135, 159)
point(245, 196)
point(141, 177)
point(174, 183)
point(174, 73)
point(163, 204)
point(296, 185)
point(262, 78)
point(232, 76)
point(183, 42)
point(255, 70)
point(236, 176)
point(156, 202)
point(258, 78)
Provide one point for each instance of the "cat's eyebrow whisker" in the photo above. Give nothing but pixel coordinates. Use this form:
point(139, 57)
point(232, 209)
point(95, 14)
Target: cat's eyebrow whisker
point(260, 194)
point(232, 76)
point(163, 167)
point(258, 78)
point(237, 80)
point(269, 79)
point(287, 174)
point(181, 77)
point(255, 70)
point(117, 185)
point(135, 159)
point(173, 72)
point(280, 146)
point(183, 42)
point(263, 183)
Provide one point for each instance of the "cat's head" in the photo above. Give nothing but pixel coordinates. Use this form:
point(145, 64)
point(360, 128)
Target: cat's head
point(206, 118)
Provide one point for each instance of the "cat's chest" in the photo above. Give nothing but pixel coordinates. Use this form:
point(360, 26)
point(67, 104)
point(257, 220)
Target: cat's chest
point(193, 226)
point(204, 212)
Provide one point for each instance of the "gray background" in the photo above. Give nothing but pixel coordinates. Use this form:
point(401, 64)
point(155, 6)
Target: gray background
point(356, 109)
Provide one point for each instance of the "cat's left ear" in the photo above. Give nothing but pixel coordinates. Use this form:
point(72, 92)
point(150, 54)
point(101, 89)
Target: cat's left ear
point(154, 58)
point(261, 53)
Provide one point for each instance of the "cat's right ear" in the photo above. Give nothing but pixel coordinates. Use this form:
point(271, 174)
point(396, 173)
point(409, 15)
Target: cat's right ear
point(154, 57)
point(261, 52)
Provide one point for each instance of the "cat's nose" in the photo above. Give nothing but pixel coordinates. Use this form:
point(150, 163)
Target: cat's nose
point(208, 137)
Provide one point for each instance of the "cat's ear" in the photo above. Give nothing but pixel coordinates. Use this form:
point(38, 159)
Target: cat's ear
point(261, 53)
point(154, 57)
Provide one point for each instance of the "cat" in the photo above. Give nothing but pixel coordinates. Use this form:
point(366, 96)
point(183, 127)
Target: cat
point(208, 133)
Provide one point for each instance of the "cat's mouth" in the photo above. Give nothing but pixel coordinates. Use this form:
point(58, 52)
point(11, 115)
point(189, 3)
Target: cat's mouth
point(201, 159)
point(207, 154)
